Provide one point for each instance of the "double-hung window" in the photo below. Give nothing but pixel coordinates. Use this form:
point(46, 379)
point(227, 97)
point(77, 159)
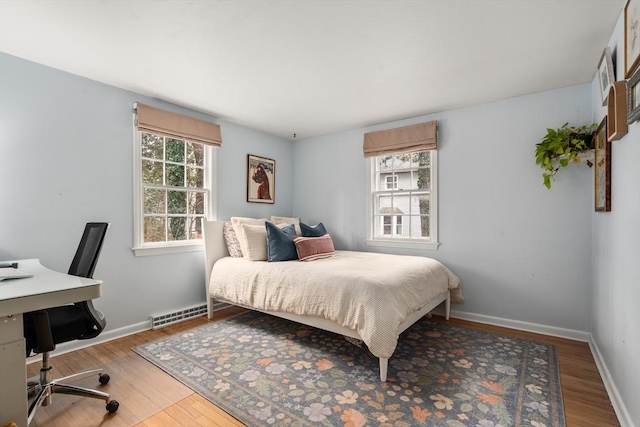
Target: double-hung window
point(174, 181)
point(402, 187)
point(391, 181)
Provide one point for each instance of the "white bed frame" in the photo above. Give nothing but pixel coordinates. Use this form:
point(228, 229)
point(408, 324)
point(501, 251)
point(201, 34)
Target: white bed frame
point(216, 248)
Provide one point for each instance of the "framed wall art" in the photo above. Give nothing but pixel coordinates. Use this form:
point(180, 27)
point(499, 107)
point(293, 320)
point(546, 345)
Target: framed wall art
point(261, 179)
point(617, 126)
point(602, 169)
point(633, 97)
point(605, 74)
point(631, 37)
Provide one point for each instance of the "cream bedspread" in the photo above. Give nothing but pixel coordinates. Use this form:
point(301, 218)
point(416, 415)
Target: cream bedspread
point(369, 292)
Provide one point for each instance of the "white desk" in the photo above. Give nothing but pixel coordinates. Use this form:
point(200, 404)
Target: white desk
point(47, 288)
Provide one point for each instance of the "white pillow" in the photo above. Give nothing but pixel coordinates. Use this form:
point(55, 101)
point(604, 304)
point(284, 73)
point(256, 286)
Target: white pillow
point(256, 237)
point(288, 220)
point(237, 222)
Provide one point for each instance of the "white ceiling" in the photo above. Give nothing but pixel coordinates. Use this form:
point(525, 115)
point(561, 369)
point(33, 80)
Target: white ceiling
point(316, 67)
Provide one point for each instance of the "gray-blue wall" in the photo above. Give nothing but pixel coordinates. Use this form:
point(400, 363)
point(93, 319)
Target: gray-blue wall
point(66, 149)
point(615, 266)
point(522, 251)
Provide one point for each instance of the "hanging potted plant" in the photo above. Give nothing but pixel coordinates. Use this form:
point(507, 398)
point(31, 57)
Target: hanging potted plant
point(562, 146)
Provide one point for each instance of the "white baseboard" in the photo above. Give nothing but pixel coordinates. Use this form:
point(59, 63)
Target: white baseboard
point(616, 400)
point(480, 318)
point(103, 337)
point(537, 328)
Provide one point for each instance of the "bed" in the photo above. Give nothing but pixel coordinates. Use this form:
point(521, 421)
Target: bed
point(347, 294)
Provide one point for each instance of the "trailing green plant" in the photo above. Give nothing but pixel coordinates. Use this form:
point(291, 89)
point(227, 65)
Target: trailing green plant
point(561, 146)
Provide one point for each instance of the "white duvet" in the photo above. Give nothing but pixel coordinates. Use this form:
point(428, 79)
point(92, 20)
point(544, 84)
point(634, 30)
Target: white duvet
point(368, 292)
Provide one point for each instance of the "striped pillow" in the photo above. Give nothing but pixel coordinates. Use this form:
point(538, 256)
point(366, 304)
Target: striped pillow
point(233, 245)
point(313, 248)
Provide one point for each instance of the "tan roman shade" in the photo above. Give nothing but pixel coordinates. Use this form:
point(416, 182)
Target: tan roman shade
point(157, 121)
point(418, 137)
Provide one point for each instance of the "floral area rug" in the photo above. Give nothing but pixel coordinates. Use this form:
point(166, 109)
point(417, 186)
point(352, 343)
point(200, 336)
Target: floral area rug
point(265, 371)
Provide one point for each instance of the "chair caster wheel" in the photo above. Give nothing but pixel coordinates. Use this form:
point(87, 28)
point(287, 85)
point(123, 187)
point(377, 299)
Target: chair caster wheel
point(112, 406)
point(104, 379)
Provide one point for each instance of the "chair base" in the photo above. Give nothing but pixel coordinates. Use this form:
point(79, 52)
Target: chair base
point(44, 387)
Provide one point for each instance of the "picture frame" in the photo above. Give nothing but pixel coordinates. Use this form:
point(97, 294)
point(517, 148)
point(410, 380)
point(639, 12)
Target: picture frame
point(605, 74)
point(633, 97)
point(261, 179)
point(631, 37)
point(602, 169)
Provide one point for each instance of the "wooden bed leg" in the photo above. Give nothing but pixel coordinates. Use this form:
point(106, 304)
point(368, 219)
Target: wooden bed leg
point(209, 308)
point(384, 364)
point(447, 307)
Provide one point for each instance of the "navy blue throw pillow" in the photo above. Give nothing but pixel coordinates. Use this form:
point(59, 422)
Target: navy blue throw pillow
point(317, 231)
point(280, 246)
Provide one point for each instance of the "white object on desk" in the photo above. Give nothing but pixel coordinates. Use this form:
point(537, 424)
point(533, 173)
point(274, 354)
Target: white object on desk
point(13, 273)
point(46, 289)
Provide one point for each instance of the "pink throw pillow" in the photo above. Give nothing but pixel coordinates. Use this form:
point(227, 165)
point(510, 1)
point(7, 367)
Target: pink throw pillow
point(313, 248)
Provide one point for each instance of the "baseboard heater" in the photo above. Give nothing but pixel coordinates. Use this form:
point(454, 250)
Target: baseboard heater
point(162, 320)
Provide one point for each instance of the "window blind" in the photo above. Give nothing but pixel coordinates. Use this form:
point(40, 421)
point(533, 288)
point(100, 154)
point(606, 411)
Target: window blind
point(161, 122)
point(418, 137)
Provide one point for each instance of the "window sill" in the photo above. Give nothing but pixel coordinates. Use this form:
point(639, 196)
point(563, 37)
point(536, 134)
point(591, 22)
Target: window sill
point(165, 249)
point(406, 244)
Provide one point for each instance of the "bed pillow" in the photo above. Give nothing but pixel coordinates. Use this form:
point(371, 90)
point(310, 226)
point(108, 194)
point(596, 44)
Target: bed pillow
point(309, 231)
point(256, 240)
point(280, 246)
point(313, 248)
point(237, 222)
point(230, 237)
point(288, 220)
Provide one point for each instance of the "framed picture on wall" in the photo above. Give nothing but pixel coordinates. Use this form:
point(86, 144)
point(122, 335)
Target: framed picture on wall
point(261, 179)
point(631, 37)
point(602, 169)
point(633, 97)
point(605, 74)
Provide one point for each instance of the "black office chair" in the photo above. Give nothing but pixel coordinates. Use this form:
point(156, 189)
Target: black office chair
point(44, 329)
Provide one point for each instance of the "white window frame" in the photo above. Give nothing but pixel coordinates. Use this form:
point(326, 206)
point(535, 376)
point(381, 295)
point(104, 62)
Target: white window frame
point(395, 225)
point(140, 248)
point(394, 242)
point(394, 182)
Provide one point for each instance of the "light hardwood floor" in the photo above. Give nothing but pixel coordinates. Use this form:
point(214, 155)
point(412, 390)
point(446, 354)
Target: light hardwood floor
point(151, 398)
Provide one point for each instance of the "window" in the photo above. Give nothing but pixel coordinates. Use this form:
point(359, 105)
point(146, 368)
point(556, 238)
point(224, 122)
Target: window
point(392, 225)
point(174, 189)
point(402, 209)
point(392, 182)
